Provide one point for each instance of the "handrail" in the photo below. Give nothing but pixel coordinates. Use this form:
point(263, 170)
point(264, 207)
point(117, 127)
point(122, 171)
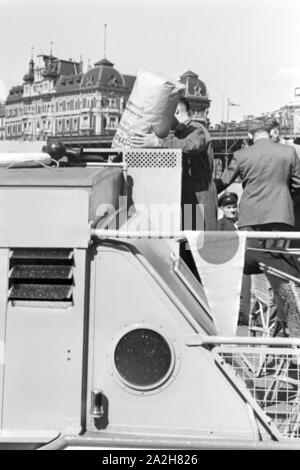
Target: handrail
point(280, 274)
point(180, 235)
point(200, 340)
point(101, 150)
point(107, 441)
point(110, 164)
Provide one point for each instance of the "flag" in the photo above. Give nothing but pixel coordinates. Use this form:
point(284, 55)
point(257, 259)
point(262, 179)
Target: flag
point(230, 103)
point(219, 258)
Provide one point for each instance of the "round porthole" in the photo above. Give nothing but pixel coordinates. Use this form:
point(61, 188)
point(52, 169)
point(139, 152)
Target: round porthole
point(143, 359)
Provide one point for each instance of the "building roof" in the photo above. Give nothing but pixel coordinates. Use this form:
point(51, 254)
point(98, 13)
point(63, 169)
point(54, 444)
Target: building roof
point(104, 61)
point(194, 86)
point(15, 94)
point(67, 67)
point(68, 78)
point(68, 83)
point(129, 81)
point(103, 74)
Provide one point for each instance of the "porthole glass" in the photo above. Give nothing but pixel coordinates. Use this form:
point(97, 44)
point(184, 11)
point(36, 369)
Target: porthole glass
point(143, 358)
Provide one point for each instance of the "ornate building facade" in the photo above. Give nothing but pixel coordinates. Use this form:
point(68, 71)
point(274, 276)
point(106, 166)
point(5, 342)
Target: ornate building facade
point(58, 99)
point(196, 92)
point(2, 121)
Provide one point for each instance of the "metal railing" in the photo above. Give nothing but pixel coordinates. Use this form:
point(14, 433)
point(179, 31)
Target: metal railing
point(271, 377)
point(180, 234)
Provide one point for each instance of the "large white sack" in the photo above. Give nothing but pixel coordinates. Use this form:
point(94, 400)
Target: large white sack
point(151, 107)
point(22, 160)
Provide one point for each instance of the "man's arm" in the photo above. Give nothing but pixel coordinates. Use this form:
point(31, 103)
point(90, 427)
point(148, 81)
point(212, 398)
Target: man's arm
point(229, 174)
point(196, 140)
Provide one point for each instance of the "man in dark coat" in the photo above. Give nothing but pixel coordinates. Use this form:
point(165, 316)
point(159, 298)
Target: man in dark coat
point(228, 205)
point(198, 187)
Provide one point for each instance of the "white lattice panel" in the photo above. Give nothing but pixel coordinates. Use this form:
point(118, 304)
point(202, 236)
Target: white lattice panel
point(153, 158)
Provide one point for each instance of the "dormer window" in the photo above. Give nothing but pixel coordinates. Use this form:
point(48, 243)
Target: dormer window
point(89, 80)
point(112, 81)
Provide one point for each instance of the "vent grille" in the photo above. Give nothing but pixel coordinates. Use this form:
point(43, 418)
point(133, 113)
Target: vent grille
point(153, 158)
point(41, 277)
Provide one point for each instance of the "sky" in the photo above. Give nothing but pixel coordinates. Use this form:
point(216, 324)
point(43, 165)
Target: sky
point(244, 50)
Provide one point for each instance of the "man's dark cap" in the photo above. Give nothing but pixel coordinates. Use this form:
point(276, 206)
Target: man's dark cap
point(227, 199)
point(264, 125)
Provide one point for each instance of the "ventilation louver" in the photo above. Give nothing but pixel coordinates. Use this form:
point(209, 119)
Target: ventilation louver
point(41, 277)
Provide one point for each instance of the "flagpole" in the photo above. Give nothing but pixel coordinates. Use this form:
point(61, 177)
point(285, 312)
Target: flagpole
point(222, 118)
point(226, 135)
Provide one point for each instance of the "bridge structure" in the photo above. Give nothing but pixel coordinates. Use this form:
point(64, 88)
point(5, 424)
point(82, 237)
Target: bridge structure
point(225, 142)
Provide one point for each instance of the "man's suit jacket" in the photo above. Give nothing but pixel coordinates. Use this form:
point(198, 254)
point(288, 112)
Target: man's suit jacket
point(270, 176)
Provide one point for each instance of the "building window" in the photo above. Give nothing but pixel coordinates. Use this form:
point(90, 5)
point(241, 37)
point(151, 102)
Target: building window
point(113, 122)
point(112, 102)
point(70, 105)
